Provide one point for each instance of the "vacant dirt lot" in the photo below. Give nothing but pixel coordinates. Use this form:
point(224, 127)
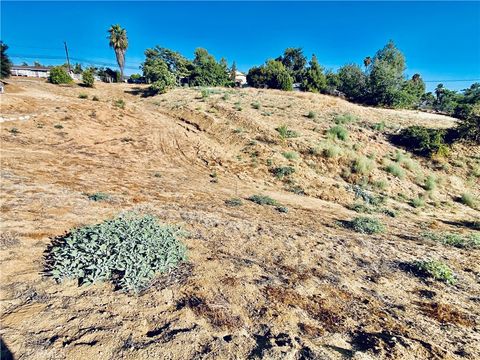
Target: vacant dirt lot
point(258, 283)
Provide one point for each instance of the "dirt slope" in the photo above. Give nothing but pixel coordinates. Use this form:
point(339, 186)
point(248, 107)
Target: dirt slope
point(259, 283)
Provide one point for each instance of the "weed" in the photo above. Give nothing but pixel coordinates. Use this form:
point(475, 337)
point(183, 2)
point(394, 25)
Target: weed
point(120, 103)
point(128, 250)
point(83, 96)
point(282, 209)
point(285, 132)
point(99, 196)
point(337, 132)
point(430, 183)
point(379, 126)
point(331, 151)
point(362, 165)
point(434, 269)
point(234, 202)
point(366, 225)
point(282, 171)
point(380, 184)
point(58, 126)
point(256, 105)
point(157, 175)
point(226, 96)
point(344, 119)
point(311, 115)
point(290, 155)
point(14, 131)
point(468, 199)
point(263, 200)
point(418, 202)
point(204, 93)
point(95, 98)
point(395, 170)
point(452, 239)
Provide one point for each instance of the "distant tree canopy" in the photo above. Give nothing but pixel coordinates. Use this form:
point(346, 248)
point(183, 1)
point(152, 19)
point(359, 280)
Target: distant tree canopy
point(314, 79)
point(5, 62)
point(273, 74)
point(176, 63)
point(206, 71)
point(157, 73)
point(295, 62)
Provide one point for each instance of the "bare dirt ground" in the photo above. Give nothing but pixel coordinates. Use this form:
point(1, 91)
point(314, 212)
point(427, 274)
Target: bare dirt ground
point(258, 283)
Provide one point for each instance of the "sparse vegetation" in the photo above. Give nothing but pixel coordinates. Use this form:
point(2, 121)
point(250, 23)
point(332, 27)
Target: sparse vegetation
point(395, 170)
point(423, 141)
point(233, 202)
point(362, 165)
point(58, 126)
point(120, 103)
point(434, 269)
point(286, 133)
point(83, 96)
point(457, 240)
point(418, 202)
point(59, 75)
point(263, 200)
point(311, 115)
point(282, 171)
point(344, 119)
point(366, 225)
point(99, 196)
point(95, 98)
point(338, 132)
point(290, 155)
point(128, 250)
point(331, 151)
point(468, 199)
point(256, 105)
point(430, 183)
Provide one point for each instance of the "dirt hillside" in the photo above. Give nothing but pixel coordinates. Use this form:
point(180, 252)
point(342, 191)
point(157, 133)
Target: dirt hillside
point(259, 283)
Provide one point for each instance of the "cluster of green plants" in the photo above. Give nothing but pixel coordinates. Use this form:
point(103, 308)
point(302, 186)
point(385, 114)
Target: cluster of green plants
point(233, 202)
point(395, 170)
point(363, 165)
point(469, 241)
point(434, 269)
point(338, 132)
point(286, 133)
point(120, 103)
point(468, 199)
point(282, 171)
point(366, 225)
point(59, 75)
point(263, 200)
point(88, 77)
point(290, 155)
point(423, 141)
point(311, 115)
point(343, 119)
point(83, 96)
point(128, 250)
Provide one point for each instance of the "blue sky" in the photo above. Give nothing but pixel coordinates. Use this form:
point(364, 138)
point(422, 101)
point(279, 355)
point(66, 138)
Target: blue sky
point(441, 40)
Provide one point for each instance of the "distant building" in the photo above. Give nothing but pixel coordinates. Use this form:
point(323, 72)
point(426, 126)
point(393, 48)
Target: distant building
point(240, 79)
point(30, 71)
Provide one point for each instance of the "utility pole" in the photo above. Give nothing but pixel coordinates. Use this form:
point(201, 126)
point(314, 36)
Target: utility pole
point(68, 59)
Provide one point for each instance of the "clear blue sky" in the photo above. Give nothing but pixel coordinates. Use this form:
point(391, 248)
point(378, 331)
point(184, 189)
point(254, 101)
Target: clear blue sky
point(441, 40)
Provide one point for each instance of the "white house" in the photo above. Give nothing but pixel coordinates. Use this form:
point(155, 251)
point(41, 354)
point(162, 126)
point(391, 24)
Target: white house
point(30, 71)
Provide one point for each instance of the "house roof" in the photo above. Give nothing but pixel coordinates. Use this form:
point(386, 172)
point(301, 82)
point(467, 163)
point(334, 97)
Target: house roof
point(35, 68)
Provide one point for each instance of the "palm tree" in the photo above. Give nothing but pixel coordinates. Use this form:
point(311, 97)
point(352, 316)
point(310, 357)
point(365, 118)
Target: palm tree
point(119, 43)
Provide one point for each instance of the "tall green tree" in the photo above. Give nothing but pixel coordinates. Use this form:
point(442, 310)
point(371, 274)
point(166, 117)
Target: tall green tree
point(119, 43)
point(352, 82)
point(233, 72)
point(314, 79)
point(5, 63)
point(176, 63)
point(273, 74)
point(207, 71)
point(295, 62)
point(386, 75)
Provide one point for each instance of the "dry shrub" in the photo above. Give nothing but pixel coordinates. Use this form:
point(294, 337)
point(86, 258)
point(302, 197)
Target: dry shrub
point(445, 313)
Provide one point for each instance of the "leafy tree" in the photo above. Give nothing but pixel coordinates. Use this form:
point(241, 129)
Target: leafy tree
point(59, 75)
point(157, 73)
point(314, 79)
point(119, 43)
point(233, 71)
point(386, 75)
point(411, 93)
point(446, 100)
point(352, 82)
point(88, 77)
point(272, 74)
point(207, 71)
point(294, 61)
point(77, 69)
point(333, 81)
point(177, 64)
point(5, 63)
point(135, 76)
point(469, 128)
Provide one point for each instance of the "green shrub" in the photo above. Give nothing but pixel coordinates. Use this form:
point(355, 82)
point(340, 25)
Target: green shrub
point(344, 119)
point(282, 171)
point(128, 250)
point(395, 170)
point(263, 200)
point(468, 199)
point(256, 105)
point(99, 196)
point(83, 96)
point(88, 78)
point(59, 75)
point(205, 93)
point(471, 241)
point(366, 225)
point(423, 141)
point(290, 155)
point(226, 96)
point(120, 103)
point(380, 184)
point(234, 202)
point(418, 202)
point(379, 126)
point(337, 132)
point(362, 165)
point(58, 126)
point(285, 132)
point(311, 115)
point(430, 183)
point(331, 151)
point(435, 269)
